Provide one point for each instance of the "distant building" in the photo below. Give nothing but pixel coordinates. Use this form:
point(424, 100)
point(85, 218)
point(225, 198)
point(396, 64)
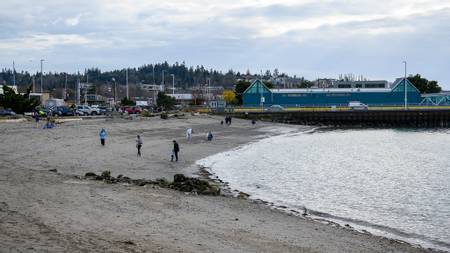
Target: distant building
point(42, 97)
point(182, 98)
point(258, 94)
point(152, 87)
point(95, 99)
point(360, 84)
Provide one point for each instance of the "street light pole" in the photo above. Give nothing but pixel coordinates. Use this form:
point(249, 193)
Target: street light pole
point(173, 84)
point(208, 89)
point(14, 74)
point(153, 65)
point(126, 77)
point(42, 60)
point(114, 90)
point(86, 87)
point(65, 89)
point(406, 88)
point(162, 82)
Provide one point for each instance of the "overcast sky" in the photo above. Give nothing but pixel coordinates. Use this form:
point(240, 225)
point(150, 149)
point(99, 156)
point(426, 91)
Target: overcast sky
point(300, 37)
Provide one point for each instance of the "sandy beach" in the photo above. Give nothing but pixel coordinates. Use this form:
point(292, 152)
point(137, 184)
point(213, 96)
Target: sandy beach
point(43, 211)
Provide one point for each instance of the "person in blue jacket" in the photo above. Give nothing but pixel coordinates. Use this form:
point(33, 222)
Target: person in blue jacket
point(102, 136)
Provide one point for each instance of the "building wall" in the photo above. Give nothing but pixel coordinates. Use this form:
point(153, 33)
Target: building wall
point(252, 97)
point(328, 99)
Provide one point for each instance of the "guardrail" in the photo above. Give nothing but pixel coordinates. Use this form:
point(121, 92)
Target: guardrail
point(323, 108)
point(372, 118)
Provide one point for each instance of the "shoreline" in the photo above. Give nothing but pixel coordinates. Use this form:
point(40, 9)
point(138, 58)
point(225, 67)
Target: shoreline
point(47, 211)
point(361, 226)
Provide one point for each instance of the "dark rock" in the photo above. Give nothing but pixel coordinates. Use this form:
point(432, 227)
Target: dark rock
point(243, 195)
point(177, 178)
point(141, 182)
point(120, 176)
point(188, 184)
point(53, 170)
point(162, 182)
point(106, 174)
point(90, 174)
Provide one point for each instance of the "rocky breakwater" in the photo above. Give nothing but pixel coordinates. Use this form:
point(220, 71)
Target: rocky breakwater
point(180, 182)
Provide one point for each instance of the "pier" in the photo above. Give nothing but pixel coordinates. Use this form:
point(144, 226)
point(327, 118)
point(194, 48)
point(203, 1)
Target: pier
point(370, 118)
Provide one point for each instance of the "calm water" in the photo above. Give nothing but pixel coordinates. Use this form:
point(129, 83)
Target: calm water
point(390, 182)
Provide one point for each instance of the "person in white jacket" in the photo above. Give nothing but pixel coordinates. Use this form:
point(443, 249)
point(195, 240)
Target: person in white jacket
point(189, 134)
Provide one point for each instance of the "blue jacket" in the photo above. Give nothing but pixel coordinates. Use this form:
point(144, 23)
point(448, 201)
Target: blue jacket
point(102, 134)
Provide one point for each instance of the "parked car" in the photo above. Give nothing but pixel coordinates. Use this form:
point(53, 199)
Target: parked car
point(103, 109)
point(63, 111)
point(86, 110)
point(7, 112)
point(357, 105)
point(131, 109)
point(275, 108)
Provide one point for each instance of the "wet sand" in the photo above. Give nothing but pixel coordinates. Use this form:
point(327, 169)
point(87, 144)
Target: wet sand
point(42, 211)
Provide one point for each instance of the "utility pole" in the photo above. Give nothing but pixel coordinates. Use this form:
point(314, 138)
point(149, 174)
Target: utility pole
point(34, 85)
point(208, 91)
point(14, 74)
point(65, 89)
point(126, 79)
point(85, 94)
point(114, 91)
point(42, 80)
point(406, 88)
point(173, 84)
point(78, 91)
point(153, 65)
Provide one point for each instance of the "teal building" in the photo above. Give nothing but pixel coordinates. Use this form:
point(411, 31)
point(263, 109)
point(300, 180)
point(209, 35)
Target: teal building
point(257, 94)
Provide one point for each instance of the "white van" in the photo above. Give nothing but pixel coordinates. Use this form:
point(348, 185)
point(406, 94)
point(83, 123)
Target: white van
point(356, 105)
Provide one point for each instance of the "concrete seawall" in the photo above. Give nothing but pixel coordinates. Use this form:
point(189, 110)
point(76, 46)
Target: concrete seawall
point(371, 118)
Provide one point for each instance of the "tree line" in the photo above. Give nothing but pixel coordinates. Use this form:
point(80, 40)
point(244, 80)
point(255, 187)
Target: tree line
point(185, 77)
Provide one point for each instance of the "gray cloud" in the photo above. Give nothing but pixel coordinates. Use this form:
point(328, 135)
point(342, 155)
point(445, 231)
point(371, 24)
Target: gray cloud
point(305, 38)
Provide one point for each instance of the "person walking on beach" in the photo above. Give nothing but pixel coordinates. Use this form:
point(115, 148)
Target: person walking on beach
point(36, 118)
point(189, 134)
point(139, 143)
point(102, 135)
point(175, 150)
point(209, 136)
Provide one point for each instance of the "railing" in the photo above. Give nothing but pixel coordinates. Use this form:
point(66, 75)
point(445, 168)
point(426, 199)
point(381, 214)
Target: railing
point(341, 108)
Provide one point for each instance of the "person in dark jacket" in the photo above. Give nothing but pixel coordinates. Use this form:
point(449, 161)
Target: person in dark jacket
point(209, 136)
point(36, 118)
point(176, 149)
point(139, 143)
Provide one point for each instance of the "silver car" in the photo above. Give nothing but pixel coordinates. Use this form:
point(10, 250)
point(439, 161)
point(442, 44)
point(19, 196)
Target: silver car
point(275, 108)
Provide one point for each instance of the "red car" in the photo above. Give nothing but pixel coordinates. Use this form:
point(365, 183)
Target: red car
point(132, 110)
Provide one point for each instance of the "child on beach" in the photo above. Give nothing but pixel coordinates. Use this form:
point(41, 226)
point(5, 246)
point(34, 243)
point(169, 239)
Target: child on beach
point(102, 135)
